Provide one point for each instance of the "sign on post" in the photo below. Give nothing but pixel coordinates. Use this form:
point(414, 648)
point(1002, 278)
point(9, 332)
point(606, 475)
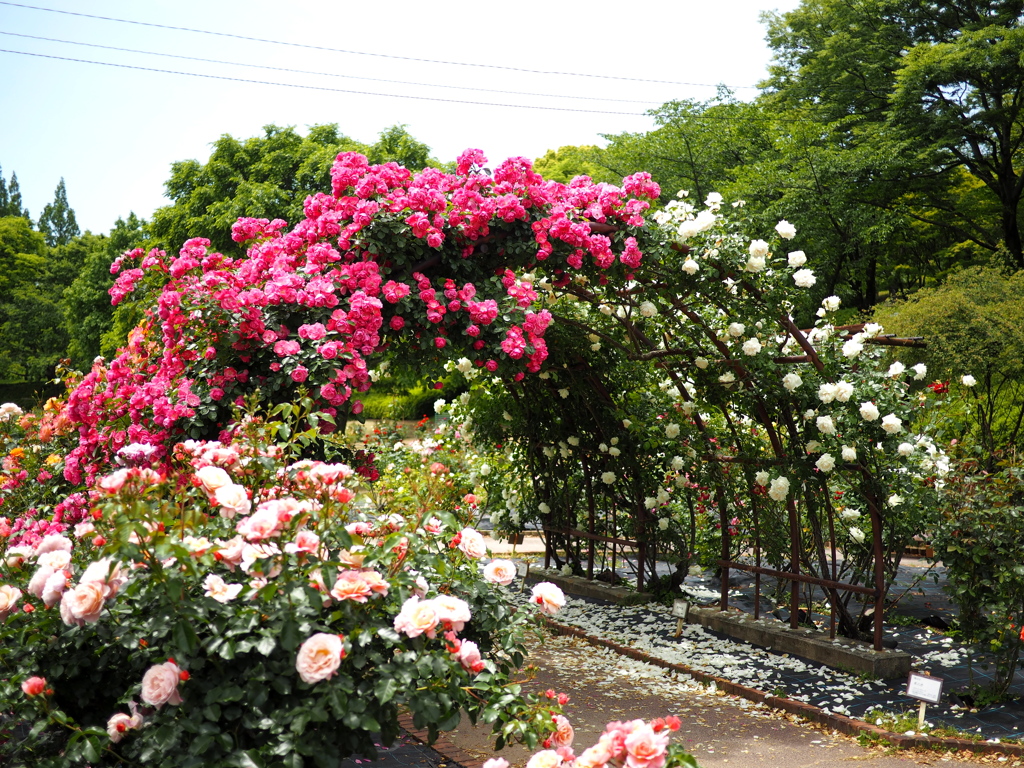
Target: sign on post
point(927, 689)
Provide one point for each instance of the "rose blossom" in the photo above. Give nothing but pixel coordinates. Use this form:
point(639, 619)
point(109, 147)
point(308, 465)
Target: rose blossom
point(233, 500)
point(469, 657)
point(548, 597)
point(546, 758)
point(212, 478)
point(472, 543)
point(417, 617)
point(34, 686)
point(564, 734)
point(319, 657)
point(54, 588)
point(496, 762)
point(500, 572)
point(892, 423)
point(868, 411)
point(645, 748)
point(160, 684)
point(9, 597)
point(451, 611)
point(220, 590)
point(83, 604)
point(117, 725)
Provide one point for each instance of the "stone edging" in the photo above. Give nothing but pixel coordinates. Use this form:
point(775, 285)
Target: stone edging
point(841, 723)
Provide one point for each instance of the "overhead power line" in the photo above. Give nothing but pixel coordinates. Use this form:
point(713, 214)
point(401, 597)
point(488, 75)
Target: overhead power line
point(364, 53)
point(325, 74)
point(322, 88)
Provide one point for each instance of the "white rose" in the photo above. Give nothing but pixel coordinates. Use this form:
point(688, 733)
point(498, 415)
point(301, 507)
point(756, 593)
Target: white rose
point(754, 264)
point(761, 478)
point(827, 392)
point(920, 370)
point(690, 267)
point(852, 348)
point(896, 369)
point(608, 478)
point(868, 411)
point(791, 381)
point(892, 423)
point(713, 200)
point(849, 453)
point(751, 346)
point(804, 278)
point(758, 249)
point(857, 535)
point(786, 230)
point(779, 488)
point(472, 543)
point(701, 362)
point(895, 500)
point(850, 514)
point(967, 380)
point(825, 425)
point(831, 303)
point(905, 449)
point(736, 329)
point(797, 258)
point(671, 430)
point(844, 391)
point(564, 393)
point(647, 309)
point(826, 462)
point(614, 451)
point(812, 447)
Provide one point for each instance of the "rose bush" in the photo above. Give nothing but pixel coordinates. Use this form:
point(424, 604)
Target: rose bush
point(288, 630)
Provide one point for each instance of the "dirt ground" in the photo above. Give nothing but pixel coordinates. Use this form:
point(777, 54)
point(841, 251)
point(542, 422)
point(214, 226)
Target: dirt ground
point(717, 729)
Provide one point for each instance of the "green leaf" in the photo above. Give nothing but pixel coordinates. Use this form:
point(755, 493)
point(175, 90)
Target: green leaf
point(185, 637)
point(385, 689)
point(266, 645)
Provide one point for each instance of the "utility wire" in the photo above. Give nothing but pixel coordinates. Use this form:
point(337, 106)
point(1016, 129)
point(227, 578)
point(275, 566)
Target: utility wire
point(322, 88)
point(363, 53)
point(322, 74)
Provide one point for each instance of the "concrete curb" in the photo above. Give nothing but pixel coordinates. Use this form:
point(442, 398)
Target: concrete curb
point(841, 723)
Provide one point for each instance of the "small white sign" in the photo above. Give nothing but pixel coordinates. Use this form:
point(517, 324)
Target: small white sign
point(680, 609)
point(924, 687)
point(524, 569)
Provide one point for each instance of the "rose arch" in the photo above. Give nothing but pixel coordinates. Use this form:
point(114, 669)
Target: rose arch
point(647, 377)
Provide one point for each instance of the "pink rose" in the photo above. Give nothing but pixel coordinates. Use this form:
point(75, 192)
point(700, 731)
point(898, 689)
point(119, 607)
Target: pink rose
point(500, 572)
point(83, 604)
point(319, 657)
point(53, 542)
point(117, 725)
point(160, 684)
point(34, 686)
point(548, 597)
point(469, 657)
point(54, 588)
point(496, 762)
point(472, 543)
point(351, 586)
point(305, 541)
point(645, 748)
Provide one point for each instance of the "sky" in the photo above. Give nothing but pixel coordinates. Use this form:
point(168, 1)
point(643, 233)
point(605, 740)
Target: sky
point(508, 78)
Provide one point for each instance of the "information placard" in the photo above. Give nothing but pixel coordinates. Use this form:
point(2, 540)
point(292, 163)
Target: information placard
point(680, 609)
point(924, 687)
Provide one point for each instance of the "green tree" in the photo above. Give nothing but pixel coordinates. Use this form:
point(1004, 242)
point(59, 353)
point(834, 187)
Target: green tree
point(395, 144)
point(57, 222)
point(27, 313)
point(566, 163)
point(10, 198)
point(265, 177)
point(931, 89)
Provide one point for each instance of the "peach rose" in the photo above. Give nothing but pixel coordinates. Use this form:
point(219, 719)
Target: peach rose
point(230, 552)
point(9, 597)
point(564, 733)
point(51, 543)
point(220, 590)
point(472, 543)
point(351, 586)
point(55, 559)
point(417, 617)
point(83, 604)
point(319, 657)
point(54, 588)
point(106, 573)
point(233, 500)
point(212, 478)
point(160, 684)
point(548, 597)
point(451, 611)
point(501, 572)
point(262, 524)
